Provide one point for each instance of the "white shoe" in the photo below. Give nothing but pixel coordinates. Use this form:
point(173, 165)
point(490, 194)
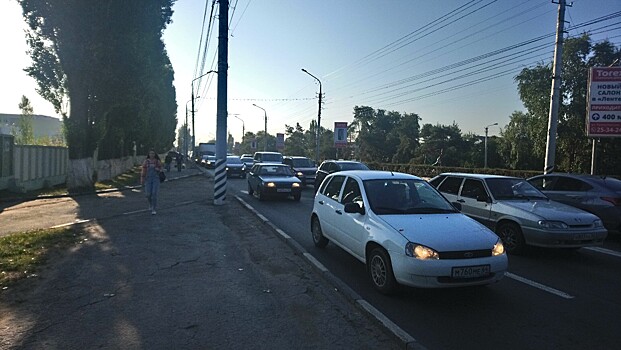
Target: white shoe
point(152, 212)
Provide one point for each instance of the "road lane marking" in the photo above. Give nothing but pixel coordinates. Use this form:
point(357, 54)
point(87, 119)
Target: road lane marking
point(604, 251)
point(539, 285)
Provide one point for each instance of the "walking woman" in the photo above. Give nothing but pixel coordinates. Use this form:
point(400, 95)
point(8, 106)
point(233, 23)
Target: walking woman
point(150, 178)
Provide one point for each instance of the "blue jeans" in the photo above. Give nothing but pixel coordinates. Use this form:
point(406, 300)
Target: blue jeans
point(151, 187)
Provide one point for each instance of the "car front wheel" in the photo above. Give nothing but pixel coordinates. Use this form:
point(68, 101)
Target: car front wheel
point(318, 237)
point(512, 237)
point(380, 271)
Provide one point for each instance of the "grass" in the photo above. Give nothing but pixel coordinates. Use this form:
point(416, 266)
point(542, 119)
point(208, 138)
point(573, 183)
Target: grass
point(22, 254)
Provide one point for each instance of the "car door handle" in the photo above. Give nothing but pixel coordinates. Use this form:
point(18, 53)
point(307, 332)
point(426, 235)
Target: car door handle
point(320, 202)
point(339, 212)
point(461, 201)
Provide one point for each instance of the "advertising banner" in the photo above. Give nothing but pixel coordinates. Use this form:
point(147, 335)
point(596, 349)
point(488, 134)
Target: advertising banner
point(604, 102)
point(280, 141)
point(340, 134)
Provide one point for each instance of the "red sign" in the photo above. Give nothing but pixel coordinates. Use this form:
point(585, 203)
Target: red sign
point(340, 134)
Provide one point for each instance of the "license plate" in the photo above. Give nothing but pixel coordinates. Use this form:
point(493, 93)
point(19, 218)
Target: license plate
point(583, 236)
point(470, 271)
point(283, 190)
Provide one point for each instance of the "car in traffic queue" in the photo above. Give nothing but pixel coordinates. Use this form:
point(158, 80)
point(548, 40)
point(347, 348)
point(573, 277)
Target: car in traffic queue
point(267, 157)
point(331, 166)
point(208, 161)
point(599, 195)
point(235, 167)
point(304, 168)
point(519, 213)
point(405, 232)
point(273, 180)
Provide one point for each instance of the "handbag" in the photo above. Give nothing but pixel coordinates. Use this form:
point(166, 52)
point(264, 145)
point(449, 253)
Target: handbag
point(162, 176)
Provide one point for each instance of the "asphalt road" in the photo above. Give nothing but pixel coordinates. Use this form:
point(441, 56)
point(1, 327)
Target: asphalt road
point(550, 299)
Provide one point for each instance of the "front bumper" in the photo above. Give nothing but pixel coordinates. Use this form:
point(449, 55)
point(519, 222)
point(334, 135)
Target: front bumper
point(570, 238)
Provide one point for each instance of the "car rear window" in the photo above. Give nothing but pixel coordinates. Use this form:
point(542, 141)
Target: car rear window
point(302, 163)
point(267, 157)
point(353, 166)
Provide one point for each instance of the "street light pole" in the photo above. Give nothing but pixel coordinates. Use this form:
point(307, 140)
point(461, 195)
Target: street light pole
point(486, 129)
point(317, 139)
point(193, 128)
point(185, 130)
point(243, 125)
point(264, 143)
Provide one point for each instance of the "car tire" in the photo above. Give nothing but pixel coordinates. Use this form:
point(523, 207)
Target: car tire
point(380, 271)
point(250, 190)
point(512, 237)
point(260, 194)
point(319, 239)
point(296, 197)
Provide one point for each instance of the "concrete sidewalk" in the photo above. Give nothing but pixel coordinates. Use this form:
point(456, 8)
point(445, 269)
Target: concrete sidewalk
point(194, 276)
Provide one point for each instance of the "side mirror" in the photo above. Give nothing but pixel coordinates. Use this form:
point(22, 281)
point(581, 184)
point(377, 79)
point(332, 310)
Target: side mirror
point(354, 208)
point(457, 205)
point(483, 198)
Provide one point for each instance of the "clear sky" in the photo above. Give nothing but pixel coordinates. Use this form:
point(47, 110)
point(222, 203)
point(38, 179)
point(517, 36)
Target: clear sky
point(359, 49)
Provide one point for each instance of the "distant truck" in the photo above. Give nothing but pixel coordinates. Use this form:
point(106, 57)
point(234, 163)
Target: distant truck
point(204, 149)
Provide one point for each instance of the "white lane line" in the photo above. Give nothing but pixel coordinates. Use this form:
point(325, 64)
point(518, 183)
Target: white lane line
point(539, 285)
point(604, 251)
point(72, 223)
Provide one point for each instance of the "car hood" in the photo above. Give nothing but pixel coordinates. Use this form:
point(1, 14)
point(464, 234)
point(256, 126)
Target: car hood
point(306, 170)
point(442, 232)
point(235, 165)
point(547, 210)
point(279, 178)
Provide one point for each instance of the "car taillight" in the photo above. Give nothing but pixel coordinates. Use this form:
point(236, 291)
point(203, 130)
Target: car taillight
point(616, 201)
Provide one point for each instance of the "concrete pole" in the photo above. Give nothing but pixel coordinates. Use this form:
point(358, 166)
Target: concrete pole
point(219, 191)
point(556, 91)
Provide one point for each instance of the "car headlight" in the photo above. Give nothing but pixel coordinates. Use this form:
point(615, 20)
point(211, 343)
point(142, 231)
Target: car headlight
point(270, 184)
point(420, 252)
point(553, 224)
point(227, 168)
point(299, 173)
point(498, 249)
point(295, 184)
point(598, 224)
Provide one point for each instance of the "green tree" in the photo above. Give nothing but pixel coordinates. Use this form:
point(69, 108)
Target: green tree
point(25, 133)
point(573, 147)
point(295, 141)
point(442, 145)
point(516, 147)
point(105, 58)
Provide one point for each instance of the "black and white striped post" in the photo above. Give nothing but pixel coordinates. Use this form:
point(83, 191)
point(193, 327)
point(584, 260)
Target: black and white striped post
point(219, 187)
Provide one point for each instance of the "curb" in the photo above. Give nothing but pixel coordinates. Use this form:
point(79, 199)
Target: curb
point(406, 339)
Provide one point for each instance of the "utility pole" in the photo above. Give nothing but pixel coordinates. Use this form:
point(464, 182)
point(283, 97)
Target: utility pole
point(318, 138)
point(556, 90)
point(219, 188)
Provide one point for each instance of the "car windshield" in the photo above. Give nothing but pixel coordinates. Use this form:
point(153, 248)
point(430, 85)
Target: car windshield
point(303, 163)
point(405, 196)
point(233, 160)
point(513, 188)
point(353, 166)
point(275, 170)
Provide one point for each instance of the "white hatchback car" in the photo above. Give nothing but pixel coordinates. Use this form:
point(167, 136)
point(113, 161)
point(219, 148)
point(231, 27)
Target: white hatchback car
point(404, 231)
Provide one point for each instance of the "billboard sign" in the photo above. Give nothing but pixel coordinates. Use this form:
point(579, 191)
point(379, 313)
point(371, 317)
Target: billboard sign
point(604, 102)
point(280, 141)
point(340, 134)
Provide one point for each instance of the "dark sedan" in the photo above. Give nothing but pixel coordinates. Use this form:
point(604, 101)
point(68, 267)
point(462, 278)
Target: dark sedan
point(235, 167)
point(331, 166)
point(599, 195)
point(273, 180)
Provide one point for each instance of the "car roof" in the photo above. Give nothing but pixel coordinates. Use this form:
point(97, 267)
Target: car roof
point(376, 175)
point(271, 164)
point(479, 176)
point(268, 153)
point(296, 157)
point(341, 161)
